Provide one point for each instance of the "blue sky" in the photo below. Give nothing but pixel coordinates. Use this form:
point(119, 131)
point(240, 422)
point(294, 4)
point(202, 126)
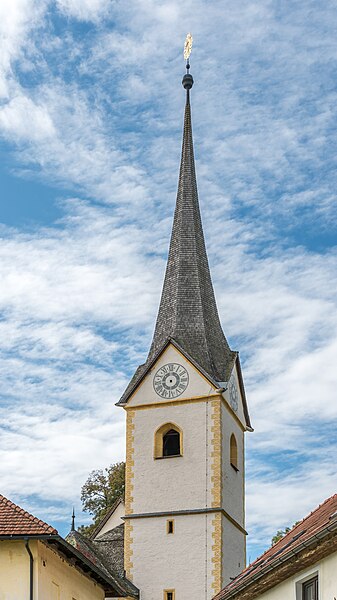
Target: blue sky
point(91, 109)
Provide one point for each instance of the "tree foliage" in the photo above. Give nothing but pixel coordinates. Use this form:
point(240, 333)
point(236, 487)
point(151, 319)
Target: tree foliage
point(281, 533)
point(100, 491)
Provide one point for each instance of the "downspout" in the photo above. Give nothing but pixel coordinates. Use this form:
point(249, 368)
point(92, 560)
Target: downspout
point(31, 571)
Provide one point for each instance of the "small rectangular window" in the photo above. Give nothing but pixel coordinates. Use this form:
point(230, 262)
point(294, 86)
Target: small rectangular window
point(310, 589)
point(170, 526)
point(169, 594)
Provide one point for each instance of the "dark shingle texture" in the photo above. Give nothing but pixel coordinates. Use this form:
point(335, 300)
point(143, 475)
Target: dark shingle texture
point(188, 313)
point(108, 560)
point(110, 546)
point(16, 521)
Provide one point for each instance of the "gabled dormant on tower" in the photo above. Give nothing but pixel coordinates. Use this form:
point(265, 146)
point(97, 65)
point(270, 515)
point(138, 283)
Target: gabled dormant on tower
point(186, 418)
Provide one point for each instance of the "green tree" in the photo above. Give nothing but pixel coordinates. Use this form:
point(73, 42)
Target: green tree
point(100, 491)
point(281, 533)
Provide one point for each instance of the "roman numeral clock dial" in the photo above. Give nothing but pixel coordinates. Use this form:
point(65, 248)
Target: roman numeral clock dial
point(170, 381)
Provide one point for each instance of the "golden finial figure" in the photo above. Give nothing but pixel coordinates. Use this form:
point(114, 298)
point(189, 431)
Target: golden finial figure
point(188, 46)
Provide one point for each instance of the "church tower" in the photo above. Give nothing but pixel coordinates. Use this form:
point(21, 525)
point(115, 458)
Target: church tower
point(186, 418)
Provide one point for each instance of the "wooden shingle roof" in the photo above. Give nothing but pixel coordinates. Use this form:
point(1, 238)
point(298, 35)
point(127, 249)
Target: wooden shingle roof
point(188, 314)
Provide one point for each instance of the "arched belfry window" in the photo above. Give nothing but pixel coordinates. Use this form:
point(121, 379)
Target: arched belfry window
point(234, 452)
point(168, 441)
point(171, 443)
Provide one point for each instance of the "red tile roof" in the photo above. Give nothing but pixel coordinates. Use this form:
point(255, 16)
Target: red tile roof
point(323, 516)
point(16, 521)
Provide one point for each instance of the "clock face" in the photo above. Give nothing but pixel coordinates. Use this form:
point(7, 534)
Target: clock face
point(170, 381)
point(233, 394)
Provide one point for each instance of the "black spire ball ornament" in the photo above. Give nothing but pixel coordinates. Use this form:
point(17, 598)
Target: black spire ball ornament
point(187, 80)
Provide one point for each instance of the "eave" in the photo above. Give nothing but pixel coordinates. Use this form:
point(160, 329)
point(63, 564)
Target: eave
point(307, 553)
point(75, 558)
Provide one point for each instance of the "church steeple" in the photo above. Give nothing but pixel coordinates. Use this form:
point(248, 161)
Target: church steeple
point(188, 312)
point(179, 409)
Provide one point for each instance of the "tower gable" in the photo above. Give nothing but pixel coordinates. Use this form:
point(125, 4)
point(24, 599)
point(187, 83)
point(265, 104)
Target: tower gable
point(235, 396)
point(156, 386)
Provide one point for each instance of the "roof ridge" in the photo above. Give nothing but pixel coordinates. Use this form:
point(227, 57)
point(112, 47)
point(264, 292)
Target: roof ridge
point(21, 511)
point(106, 517)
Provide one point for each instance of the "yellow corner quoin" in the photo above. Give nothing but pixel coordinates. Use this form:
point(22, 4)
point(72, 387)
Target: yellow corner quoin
point(216, 454)
point(129, 461)
point(216, 550)
point(128, 552)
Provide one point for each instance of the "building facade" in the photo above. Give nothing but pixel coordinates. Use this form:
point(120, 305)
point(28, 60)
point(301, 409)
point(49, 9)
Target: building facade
point(186, 417)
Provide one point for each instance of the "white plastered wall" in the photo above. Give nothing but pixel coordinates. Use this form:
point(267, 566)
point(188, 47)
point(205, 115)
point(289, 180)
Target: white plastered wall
point(181, 561)
point(232, 480)
point(174, 483)
point(233, 551)
point(114, 520)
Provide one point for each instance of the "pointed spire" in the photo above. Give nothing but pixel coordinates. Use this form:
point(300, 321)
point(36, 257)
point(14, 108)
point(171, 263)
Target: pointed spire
point(188, 312)
point(73, 520)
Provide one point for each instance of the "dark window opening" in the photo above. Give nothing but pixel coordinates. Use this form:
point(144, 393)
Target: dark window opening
point(234, 453)
point(169, 595)
point(310, 589)
point(171, 445)
point(169, 526)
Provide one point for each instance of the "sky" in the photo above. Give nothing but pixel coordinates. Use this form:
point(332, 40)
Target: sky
point(91, 113)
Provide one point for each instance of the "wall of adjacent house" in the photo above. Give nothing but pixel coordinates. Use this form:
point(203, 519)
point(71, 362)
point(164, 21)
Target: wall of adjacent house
point(14, 570)
point(292, 587)
point(54, 578)
point(57, 580)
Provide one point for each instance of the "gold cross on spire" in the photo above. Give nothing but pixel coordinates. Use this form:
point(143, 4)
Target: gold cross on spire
point(188, 46)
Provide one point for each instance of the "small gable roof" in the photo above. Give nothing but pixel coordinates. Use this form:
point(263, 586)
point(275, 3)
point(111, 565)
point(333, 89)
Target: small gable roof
point(106, 518)
point(313, 529)
point(14, 520)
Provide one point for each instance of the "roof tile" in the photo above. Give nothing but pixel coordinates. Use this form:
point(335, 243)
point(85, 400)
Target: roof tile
point(17, 521)
point(310, 526)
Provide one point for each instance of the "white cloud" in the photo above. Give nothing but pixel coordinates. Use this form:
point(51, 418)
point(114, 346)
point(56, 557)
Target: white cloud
point(24, 121)
point(101, 114)
point(85, 10)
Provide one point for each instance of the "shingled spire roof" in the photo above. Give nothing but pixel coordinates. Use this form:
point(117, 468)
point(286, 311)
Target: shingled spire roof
point(188, 313)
